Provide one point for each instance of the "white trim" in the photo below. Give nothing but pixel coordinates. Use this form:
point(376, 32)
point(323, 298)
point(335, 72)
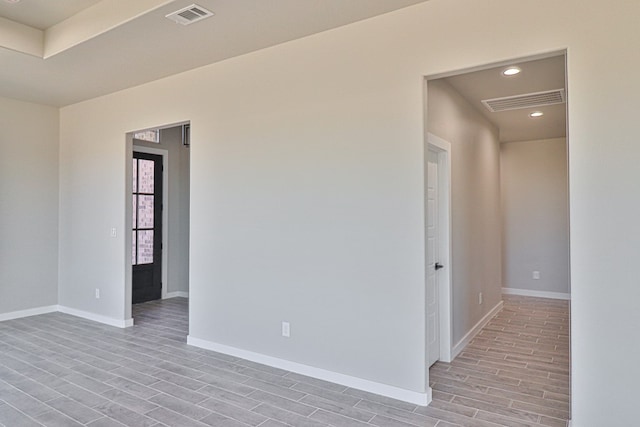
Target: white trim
point(438, 142)
point(569, 423)
point(165, 212)
point(457, 349)
point(67, 310)
point(445, 295)
point(537, 294)
point(118, 323)
point(28, 312)
point(417, 398)
point(180, 294)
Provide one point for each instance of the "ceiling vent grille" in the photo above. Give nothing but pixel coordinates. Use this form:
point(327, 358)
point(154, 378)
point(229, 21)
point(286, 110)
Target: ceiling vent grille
point(528, 100)
point(189, 15)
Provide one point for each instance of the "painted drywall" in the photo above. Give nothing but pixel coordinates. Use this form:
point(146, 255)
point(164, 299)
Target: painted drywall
point(535, 215)
point(28, 206)
point(475, 204)
point(295, 213)
point(307, 196)
point(178, 207)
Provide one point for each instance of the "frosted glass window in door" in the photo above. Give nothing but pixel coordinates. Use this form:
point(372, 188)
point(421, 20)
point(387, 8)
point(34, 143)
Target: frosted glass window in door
point(145, 247)
point(145, 176)
point(145, 211)
point(134, 246)
point(135, 176)
point(134, 220)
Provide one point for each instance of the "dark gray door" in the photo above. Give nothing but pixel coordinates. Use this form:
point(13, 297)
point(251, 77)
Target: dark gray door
point(147, 227)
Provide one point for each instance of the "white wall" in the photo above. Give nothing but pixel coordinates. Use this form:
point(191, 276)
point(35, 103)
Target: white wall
point(295, 213)
point(307, 195)
point(535, 215)
point(178, 207)
point(28, 206)
point(475, 204)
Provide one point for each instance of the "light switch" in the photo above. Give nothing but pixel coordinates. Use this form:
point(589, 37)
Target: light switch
point(286, 329)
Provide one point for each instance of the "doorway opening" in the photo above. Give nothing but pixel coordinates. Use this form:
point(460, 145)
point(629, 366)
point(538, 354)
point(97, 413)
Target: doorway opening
point(505, 126)
point(158, 214)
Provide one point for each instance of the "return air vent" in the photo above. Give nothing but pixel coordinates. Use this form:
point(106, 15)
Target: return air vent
point(189, 15)
point(528, 100)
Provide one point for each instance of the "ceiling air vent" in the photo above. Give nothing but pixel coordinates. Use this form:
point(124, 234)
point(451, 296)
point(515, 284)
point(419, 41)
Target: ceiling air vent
point(189, 15)
point(528, 100)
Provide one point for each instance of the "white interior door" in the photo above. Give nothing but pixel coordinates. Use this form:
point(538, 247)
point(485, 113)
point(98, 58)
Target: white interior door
point(433, 327)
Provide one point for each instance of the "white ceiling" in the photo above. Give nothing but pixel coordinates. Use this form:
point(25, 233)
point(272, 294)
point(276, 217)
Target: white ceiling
point(516, 125)
point(146, 46)
point(42, 14)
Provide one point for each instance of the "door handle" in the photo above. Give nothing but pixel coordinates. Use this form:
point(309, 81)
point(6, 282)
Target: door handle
point(438, 266)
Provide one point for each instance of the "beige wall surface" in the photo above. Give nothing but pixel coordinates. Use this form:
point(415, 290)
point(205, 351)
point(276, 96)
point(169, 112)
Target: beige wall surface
point(535, 214)
point(28, 206)
point(307, 189)
point(475, 204)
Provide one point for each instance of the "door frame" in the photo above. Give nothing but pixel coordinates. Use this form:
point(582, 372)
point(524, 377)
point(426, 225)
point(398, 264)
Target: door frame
point(445, 292)
point(128, 173)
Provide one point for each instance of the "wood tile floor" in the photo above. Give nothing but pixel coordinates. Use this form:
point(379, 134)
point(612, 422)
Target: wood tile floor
point(515, 372)
point(59, 370)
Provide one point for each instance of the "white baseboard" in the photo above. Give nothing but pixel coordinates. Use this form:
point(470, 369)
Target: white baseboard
point(417, 398)
point(537, 294)
point(96, 317)
point(457, 349)
point(28, 312)
point(175, 294)
point(67, 310)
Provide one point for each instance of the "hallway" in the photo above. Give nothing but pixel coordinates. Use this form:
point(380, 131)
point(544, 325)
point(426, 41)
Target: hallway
point(514, 373)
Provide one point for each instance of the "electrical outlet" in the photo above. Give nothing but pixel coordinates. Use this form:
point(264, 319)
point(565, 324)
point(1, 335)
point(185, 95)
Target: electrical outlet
point(536, 275)
point(480, 298)
point(113, 232)
point(286, 329)
point(97, 293)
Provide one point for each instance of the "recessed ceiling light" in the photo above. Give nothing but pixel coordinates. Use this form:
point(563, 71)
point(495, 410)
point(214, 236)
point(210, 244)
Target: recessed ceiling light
point(511, 71)
point(536, 114)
